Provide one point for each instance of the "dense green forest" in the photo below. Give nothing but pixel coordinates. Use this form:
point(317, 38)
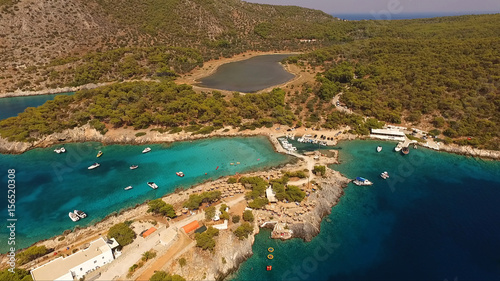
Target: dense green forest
point(165, 106)
point(443, 73)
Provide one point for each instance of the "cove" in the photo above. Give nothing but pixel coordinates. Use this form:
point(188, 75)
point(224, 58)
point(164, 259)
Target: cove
point(435, 218)
point(249, 75)
point(49, 185)
point(12, 106)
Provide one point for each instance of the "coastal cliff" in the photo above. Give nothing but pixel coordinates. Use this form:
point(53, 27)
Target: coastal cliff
point(329, 194)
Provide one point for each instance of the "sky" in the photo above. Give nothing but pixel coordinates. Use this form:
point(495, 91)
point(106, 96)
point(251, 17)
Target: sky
point(392, 6)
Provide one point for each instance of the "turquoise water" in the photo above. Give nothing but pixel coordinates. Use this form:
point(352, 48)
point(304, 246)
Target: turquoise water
point(49, 185)
point(249, 75)
point(436, 218)
point(10, 107)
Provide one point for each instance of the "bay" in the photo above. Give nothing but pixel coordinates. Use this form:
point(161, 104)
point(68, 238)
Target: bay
point(49, 185)
point(12, 106)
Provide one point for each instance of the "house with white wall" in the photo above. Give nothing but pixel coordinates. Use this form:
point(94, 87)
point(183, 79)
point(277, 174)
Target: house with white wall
point(77, 265)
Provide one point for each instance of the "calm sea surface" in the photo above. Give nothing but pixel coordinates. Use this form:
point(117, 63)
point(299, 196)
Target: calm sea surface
point(435, 218)
point(249, 75)
point(10, 107)
point(49, 185)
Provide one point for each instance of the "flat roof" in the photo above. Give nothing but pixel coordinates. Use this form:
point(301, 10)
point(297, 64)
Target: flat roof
point(388, 132)
point(191, 226)
point(148, 232)
point(61, 266)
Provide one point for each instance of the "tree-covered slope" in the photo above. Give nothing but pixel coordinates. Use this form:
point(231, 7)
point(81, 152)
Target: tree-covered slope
point(439, 73)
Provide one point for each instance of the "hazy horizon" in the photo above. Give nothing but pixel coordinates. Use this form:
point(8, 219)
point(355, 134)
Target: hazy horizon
point(393, 6)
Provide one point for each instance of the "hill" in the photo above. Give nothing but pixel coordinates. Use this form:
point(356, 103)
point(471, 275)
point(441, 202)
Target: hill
point(439, 74)
point(44, 41)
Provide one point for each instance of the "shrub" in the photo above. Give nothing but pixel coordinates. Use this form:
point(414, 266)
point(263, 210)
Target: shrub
point(140, 134)
point(158, 206)
point(243, 230)
point(236, 219)
point(248, 216)
point(30, 254)
point(205, 240)
point(320, 169)
point(123, 234)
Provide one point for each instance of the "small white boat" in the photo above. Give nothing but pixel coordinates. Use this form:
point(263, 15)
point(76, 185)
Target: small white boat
point(128, 187)
point(146, 150)
point(384, 175)
point(93, 166)
point(73, 216)
point(398, 147)
point(60, 150)
point(379, 148)
point(361, 181)
point(133, 167)
point(80, 214)
point(181, 174)
point(152, 185)
point(99, 154)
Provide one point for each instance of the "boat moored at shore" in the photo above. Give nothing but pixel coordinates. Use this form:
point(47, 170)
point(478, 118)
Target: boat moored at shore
point(60, 150)
point(99, 154)
point(133, 167)
point(361, 181)
point(405, 150)
point(379, 148)
point(146, 150)
point(398, 147)
point(73, 216)
point(180, 174)
point(80, 214)
point(128, 187)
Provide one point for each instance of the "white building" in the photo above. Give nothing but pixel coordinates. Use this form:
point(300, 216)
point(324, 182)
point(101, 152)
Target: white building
point(78, 264)
point(388, 134)
point(271, 196)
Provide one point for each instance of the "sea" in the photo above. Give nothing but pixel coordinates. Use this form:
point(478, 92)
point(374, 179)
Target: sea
point(435, 218)
point(250, 75)
point(384, 14)
point(49, 185)
point(12, 106)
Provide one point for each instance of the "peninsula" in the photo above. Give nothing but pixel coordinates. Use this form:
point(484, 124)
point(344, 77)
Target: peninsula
point(135, 66)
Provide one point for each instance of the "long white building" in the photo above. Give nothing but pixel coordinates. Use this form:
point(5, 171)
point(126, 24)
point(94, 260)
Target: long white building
point(78, 264)
point(388, 134)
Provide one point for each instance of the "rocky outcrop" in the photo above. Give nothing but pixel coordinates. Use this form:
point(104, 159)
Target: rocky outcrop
point(471, 151)
point(331, 189)
point(227, 256)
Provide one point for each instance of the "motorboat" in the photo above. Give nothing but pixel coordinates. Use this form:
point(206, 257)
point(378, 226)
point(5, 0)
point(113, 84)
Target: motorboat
point(99, 154)
point(80, 214)
point(146, 150)
point(405, 150)
point(93, 166)
point(384, 175)
point(73, 216)
point(133, 167)
point(361, 181)
point(60, 150)
point(379, 148)
point(181, 174)
point(128, 187)
point(152, 185)
point(398, 147)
